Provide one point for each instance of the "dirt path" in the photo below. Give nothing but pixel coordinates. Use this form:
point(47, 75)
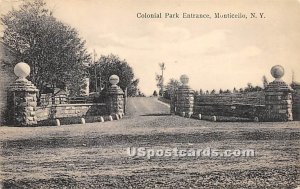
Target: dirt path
point(95, 155)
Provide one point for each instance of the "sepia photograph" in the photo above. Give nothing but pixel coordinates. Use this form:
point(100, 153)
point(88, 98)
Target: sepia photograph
point(149, 94)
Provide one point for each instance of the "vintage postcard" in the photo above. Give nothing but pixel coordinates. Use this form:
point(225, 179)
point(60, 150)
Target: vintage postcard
point(150, 94)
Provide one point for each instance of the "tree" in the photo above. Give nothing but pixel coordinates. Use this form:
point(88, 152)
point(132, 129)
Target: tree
point(249, 87)
point(133, 89)
point(235, 90)
point(220, 91)
point(155, 93)
point(159, 81)
point(160, 78)
point(54, 51)
point(201, 92)
point(140, 94)
point(227, 91)
point(213, 91)
point(113, 65)
point(265, 81)
point(172, 86)
point(257, 88)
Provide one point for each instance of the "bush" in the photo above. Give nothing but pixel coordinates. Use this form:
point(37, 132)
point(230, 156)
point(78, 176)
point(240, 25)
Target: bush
point(167, 95)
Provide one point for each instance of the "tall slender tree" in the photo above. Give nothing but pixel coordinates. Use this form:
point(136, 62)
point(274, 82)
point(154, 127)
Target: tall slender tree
point(160, 78)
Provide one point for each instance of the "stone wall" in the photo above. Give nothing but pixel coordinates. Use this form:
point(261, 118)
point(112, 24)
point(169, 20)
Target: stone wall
point(275, 103)
point(23, 109)
point(231, 110)
point(251, 98)
point(70, 110)
point(246, 105)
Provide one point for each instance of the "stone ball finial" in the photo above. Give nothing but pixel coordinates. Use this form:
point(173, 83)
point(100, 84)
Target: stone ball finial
point(114, 79)
point(277, 71)
point(22, 70)
point(184, 79)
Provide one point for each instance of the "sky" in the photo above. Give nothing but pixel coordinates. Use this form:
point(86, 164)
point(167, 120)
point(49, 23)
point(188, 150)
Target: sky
point(214, 53)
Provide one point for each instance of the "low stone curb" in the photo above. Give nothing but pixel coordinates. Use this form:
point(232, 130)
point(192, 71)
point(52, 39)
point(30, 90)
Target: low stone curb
point(223, 118)
point(79, 120)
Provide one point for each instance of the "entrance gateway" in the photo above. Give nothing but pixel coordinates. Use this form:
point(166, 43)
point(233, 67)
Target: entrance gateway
point(274, 103)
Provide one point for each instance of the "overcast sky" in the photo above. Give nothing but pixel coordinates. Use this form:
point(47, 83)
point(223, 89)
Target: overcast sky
point(214, 53)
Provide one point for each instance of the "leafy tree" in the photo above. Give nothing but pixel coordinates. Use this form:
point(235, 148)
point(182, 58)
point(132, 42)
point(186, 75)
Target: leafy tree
point(113, 65)
point(172, 86)
point(227, 91)
point(160, 92)
point(257, 88)
point(54, 50)
point(213, 91)
point(249, 87)
point(155, 93)
point(265, 81)
point(133, 89)
point(166, 95)
point(235, 90)
point(220, 91)
point(201, 92)
point(140, 94)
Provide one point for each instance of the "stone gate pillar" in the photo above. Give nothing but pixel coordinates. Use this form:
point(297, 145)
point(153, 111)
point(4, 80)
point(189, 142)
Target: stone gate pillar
point(278, 97)
point(22, 98)
point(184, 98)
point(115, 100)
